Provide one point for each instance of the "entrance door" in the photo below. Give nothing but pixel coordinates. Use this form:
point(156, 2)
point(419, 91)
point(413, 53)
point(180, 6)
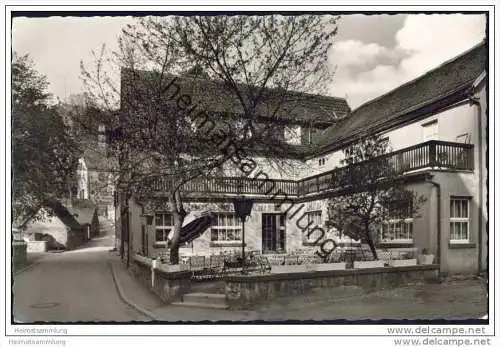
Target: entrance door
point(273, 232)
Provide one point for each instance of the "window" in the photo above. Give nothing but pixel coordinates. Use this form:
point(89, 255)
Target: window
point(430, 131)
point(399, 227)
point(459, 220)
point(102, 135)
point(397, 231)
point(314, 219)
point(273, 232)
point(227, 227)
point(293, 134)
point(163, 225)
point(321, 161)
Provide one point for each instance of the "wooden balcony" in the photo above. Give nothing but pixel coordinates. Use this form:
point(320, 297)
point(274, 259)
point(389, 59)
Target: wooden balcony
point(233, 186)
point(436, 155)
point(431, 154)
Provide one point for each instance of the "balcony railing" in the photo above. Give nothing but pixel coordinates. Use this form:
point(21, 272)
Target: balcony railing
point(430, 154)
point(232, 185)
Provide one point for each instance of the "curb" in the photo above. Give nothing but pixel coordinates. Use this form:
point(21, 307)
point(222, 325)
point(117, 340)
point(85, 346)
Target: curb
point(123, 298)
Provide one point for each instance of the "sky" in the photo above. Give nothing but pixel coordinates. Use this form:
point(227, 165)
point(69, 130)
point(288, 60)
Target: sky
point(371, 54)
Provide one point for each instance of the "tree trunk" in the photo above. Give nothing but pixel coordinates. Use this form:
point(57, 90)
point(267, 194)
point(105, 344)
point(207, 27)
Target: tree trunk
point(174, 255)
point(174, 241)
point(178, 214)
point(372, 246)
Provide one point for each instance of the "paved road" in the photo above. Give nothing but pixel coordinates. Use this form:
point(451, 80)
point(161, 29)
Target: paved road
point(73, 286)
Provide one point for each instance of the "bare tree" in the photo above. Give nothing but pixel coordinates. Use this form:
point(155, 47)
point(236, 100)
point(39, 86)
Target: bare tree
point(254, 68)
point(374, 192)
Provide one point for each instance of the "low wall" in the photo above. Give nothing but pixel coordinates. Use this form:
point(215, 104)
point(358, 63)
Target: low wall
point(250, 291)
point(19, 254)
point(169, 285)
point(37, 246)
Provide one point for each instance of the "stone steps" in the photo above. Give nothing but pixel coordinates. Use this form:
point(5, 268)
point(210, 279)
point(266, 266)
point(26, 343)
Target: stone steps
point(204, 300)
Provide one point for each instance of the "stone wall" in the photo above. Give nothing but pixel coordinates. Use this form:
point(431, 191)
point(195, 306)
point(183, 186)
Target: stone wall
point(245, 292)
point(169, 285)
point(19, 254)
point(37, 246)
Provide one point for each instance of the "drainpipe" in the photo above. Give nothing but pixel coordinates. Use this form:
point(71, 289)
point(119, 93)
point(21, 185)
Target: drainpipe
point(474, 101)
point(438, 255)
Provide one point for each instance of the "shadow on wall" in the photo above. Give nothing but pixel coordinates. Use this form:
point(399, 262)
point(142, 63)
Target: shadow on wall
point(52, 243)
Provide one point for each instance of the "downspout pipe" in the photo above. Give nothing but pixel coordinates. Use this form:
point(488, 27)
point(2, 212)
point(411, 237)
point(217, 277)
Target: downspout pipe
point(438, 190)
point(474, 101)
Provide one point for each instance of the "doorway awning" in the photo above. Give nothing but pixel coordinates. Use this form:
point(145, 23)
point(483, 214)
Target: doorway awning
point(195, 228)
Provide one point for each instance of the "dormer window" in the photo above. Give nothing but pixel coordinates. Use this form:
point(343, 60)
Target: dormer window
point(293, 134)
point(102, 136)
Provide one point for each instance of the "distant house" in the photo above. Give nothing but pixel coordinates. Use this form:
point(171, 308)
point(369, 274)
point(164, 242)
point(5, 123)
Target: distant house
point(63, 227)
point(85, 213)
point(95, 180)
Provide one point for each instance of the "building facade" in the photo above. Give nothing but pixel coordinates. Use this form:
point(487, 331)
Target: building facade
point(62, 226)
point(94, 174)
point(435, 127)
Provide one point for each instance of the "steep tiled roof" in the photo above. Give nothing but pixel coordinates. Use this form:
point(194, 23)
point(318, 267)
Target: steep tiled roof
point(213, 96)
point(447, 79)
point(64, 214)
point(83, 211)
point(399, 105)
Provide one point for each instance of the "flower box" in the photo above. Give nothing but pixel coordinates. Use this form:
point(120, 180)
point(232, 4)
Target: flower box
point(369, 264)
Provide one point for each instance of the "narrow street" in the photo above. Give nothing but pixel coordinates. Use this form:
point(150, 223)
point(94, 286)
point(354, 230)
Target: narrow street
point(78, 286)
point(72, 286)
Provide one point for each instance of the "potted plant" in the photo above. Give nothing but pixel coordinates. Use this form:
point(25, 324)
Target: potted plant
point(425, 257)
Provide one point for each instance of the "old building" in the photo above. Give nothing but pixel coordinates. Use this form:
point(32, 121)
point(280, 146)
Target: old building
point(94, 174)
point(436, 128)
point(62, 226)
